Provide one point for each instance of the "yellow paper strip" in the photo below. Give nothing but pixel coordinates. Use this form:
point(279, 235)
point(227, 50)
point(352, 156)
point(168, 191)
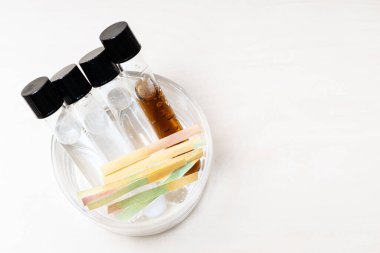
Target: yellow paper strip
point(176, 184)
point(154, 159)
point(152, 174)
point(188, 157)
point(161, 171)
point(124, 181)
point(98, 200)
point(146, 151)
point(153, 193)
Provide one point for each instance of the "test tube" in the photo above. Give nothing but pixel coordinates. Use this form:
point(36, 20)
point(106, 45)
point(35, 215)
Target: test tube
point(123, 48)
point(103, 75)
point(47, 104)
point(92, 111)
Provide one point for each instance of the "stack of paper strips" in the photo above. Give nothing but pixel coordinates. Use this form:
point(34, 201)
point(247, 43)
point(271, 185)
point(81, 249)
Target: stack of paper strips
point(163, 166)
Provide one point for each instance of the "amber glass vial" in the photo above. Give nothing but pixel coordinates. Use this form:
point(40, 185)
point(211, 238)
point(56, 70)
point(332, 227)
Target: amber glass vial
point(156, 108)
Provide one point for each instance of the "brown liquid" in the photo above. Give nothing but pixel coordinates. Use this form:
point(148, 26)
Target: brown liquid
point(160, 114)
point(156, 108)
point(195, 168)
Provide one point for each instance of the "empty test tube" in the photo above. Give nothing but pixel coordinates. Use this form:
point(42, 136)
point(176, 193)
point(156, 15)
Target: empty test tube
point(47, 104)
point(103, 75)
point(92, 112)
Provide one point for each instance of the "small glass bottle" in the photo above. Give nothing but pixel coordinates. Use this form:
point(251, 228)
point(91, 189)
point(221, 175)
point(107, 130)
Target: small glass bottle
point(124, 50)
point(103, 75)
point(92, 111)
point(47, 104)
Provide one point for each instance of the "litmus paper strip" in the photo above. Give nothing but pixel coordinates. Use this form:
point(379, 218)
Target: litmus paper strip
point(153, 193)
point(156, 158)
point(146, 151)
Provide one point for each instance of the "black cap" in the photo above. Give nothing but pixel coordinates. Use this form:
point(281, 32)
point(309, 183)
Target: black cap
point(98, 67)
point(120, 43)
point(71, 83)
point(42, 97)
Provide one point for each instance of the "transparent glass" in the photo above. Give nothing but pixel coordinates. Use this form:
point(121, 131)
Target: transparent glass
point(151, 98)
point(101, 125)
point(177, 205)
point(138, 65)
point(75, 141)
point(133, 123)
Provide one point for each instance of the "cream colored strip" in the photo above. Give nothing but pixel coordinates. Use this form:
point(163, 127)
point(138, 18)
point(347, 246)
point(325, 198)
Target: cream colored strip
point(146, 151)
point(154, 159)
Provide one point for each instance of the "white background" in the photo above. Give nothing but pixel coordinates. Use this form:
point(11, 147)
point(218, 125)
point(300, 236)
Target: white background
point(290, 89)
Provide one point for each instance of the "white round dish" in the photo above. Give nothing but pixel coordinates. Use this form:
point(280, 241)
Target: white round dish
point(146, 222)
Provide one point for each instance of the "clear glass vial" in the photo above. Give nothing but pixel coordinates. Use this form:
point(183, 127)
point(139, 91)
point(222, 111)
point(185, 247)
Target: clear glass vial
point(47, 104)
point(124, 50)
point(103, 75)
point(92, 111)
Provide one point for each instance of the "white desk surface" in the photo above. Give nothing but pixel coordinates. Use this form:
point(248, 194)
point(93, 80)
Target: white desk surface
point(291, 92)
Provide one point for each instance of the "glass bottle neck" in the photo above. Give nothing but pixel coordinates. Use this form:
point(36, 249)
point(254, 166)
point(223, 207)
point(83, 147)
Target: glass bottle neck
point(52, 120)
point(84, 101)
point(137, 66)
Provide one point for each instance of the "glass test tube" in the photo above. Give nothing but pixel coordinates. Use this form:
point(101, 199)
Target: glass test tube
point(103, 75)
point(92, 112)
point(124, 49)
point(47, 104)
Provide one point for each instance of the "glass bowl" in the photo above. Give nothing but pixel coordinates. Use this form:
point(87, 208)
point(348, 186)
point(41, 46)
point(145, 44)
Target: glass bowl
point(71, 180)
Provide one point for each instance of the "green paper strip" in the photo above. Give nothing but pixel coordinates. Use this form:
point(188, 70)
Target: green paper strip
point(153, 193)
point(135, 208)
point(120, 192)
point(138, 198)
point(132, 210)
point(178, 173)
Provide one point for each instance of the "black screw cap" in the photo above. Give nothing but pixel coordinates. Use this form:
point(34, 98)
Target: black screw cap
point(41, 97)
point(71, 83)
point(120, 43)
point(98, 67)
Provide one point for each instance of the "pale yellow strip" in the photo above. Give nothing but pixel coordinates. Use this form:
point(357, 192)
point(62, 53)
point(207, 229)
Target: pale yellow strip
point(122, 182)
point(154, 159)
point(188, 157)
point(144, 152)
point(98, 189)
point(166, 167)
point(165, 170)
point(176, 184)
point(153, 193)
point(193, 155)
